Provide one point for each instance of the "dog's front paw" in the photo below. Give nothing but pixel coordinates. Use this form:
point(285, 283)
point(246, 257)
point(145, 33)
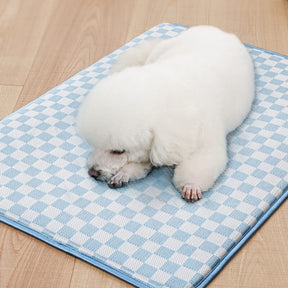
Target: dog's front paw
point(118, 180)
point(191, 192)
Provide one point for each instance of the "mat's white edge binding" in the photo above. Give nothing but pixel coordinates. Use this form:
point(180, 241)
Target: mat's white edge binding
point(95, 262)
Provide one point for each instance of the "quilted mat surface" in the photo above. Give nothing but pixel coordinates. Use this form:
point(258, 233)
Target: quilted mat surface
point(144, 233)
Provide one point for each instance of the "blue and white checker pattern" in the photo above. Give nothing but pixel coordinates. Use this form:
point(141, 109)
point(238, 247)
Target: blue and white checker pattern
point(145, 230)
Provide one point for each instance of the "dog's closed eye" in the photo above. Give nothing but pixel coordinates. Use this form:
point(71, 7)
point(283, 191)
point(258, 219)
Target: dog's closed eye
point(117, 152)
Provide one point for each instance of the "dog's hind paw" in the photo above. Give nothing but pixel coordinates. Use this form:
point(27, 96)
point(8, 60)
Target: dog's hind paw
point(191, 192)
point(118, 180)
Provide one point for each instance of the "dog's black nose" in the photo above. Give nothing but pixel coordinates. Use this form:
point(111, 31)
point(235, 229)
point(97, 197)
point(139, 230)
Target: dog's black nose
point(97, 174)
point(93, 172)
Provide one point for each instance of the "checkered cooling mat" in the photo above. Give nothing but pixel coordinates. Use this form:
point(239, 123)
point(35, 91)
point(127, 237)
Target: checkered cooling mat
point(144, 233)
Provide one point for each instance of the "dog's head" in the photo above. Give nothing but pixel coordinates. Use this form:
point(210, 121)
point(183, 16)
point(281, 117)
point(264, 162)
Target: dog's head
point(117, 149)
point(117, 127)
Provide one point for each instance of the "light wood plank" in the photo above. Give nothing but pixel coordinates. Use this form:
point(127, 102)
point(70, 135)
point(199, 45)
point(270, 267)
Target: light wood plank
point(27, 262)
point(85, 275)
point(22, 24)
point(8, 98)
point(86, 35)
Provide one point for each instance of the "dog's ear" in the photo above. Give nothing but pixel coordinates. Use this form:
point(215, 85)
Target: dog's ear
point(172, 141)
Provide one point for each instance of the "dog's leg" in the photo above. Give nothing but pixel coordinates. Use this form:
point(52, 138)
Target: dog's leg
point(135, 56)
point(130, 172)
point(200, 170)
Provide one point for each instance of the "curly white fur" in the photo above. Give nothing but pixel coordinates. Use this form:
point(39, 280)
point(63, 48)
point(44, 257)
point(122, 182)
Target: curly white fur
point(169, 102)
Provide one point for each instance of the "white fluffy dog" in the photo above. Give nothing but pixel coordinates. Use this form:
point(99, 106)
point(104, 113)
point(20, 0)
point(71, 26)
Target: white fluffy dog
point(169, 102)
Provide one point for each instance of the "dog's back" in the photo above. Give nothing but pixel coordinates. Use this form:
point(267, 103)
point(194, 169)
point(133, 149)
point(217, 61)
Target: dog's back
point(213, 67)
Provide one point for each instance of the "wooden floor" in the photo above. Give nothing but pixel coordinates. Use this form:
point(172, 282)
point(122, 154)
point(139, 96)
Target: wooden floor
point(42, 43)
